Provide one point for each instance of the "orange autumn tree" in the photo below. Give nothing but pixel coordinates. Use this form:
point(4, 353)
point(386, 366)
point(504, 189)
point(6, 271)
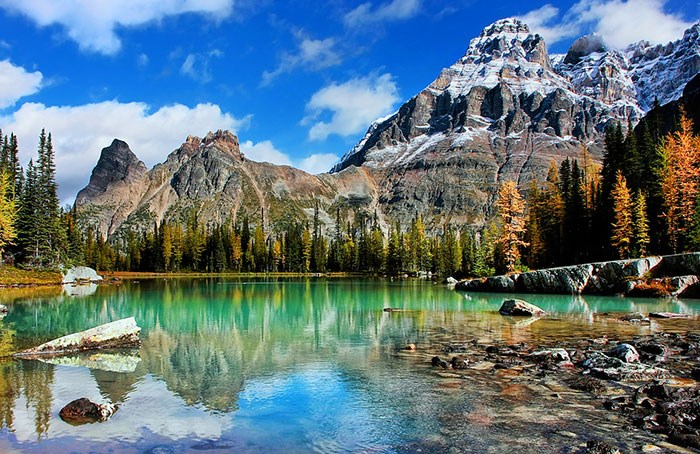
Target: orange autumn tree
point(511, 207)
point(680, 182)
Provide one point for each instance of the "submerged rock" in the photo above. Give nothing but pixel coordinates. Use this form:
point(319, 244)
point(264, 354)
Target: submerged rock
point(635, 317)
point(601, 447)
point(517, 307)
point(667, 315)
point(83, 410)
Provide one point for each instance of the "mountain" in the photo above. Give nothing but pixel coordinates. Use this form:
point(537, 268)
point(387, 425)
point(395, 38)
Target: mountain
point(503, 111)
point(210, 177)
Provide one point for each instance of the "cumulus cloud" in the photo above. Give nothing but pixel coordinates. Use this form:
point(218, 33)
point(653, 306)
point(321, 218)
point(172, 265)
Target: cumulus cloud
point(543, 21)
point(352, 105)
point(620, 22)
point(264, 151)
point(197, 66)
point(318, 163)
point(16, 83)
point(80, 133)
point(92, 24)
point(624, 22)
point(394, 10)
point(311, 54)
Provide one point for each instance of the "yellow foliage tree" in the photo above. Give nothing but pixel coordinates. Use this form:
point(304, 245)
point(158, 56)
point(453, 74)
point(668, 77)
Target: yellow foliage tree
point(622, 227)
point(680, 181)
point(8, 212)
point(511, 208)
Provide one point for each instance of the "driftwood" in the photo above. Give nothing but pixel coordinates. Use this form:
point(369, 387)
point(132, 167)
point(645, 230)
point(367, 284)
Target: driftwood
point(122, 333)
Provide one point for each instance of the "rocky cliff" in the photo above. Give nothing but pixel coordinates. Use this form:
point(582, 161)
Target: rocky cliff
point(503, 111)
point(210, 177)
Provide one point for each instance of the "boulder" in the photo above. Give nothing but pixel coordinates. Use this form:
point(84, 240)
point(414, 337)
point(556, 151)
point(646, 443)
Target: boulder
point(500, 284)
point(554, 357)
point(625, 352)
point(83, 410)
point(80, 274)
point(450, 281)
point(519, 307)
point(119, 334)
point(3, 309)
point(611, 368)
point(564, 280)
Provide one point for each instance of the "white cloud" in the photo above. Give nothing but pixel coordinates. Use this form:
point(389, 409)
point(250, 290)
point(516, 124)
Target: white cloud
point(80, 133)
point(318, 163)
point(264, 151)
point(354, 105)
point(542, 20)
point(624, 22)
point(619, 22)
point(92, 23)
point(196, 66)
point(311, 54)
point(394, 10)
point(16, 83)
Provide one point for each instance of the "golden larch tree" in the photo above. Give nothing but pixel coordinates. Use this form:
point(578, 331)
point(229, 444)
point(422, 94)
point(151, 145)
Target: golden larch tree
point(680, 181)
point(511, 208)
point(622, 227)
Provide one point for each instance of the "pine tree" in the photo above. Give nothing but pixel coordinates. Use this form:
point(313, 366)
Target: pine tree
point(622, 227)
point(511, 208)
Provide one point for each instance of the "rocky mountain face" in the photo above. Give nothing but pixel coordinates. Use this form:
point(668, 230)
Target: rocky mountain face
point(503, 111)
point(211, 178)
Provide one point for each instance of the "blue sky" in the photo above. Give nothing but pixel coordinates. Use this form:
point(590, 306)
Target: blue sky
point(298, 81)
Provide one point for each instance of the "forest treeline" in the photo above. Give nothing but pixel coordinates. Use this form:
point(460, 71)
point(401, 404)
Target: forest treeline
point(644, 199)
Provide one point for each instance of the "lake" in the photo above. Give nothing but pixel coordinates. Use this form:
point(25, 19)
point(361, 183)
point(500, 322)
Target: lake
point(301, 365)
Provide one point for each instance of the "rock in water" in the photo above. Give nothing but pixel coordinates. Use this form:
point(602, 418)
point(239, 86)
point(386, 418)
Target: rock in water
point(667, 315)
point(119, 334)
point(83, 410)
point(520, 308)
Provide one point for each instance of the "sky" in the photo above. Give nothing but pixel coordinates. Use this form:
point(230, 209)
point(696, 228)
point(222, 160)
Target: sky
point(298, 81)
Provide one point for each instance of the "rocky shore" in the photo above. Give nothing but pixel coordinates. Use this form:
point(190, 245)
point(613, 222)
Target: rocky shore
point(658, 276)
point(649, 380)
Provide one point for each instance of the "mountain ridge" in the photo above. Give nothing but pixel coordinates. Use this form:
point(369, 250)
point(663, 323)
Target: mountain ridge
point(503, 111)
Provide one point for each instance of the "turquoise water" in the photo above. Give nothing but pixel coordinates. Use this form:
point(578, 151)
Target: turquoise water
point(286, 365)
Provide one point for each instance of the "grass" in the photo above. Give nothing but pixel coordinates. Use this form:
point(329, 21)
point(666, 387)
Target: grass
point(11, 276)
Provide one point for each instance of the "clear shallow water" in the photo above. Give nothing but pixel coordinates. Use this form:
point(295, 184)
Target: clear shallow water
point(296, 366)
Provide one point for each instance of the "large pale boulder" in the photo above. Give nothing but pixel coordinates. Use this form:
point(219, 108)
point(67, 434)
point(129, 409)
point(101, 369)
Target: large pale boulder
point(81, 273)
point(119, 334)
